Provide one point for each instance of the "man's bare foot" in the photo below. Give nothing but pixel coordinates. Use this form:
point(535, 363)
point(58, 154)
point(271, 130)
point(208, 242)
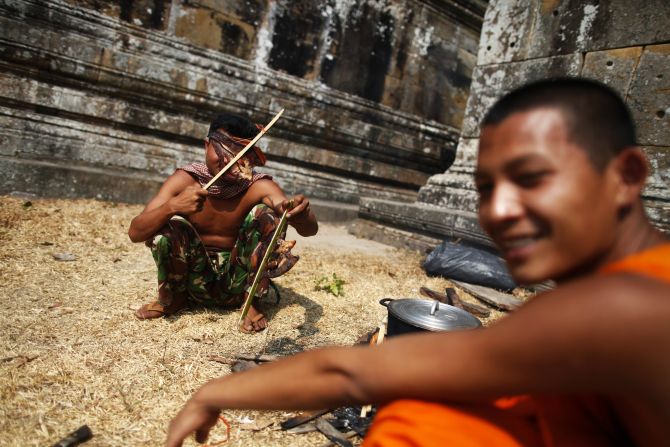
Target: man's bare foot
point(254, 321)
point(156, 310)
point(149, 311)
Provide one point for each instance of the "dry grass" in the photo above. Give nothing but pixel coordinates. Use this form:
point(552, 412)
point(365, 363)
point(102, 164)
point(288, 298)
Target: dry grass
point(71, 352)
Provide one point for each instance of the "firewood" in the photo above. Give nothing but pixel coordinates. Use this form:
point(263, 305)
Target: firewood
point(332, 433)
point(301, 418)
point(308, 427)
point(259, 358)
point(499, 300)
point(349, 434)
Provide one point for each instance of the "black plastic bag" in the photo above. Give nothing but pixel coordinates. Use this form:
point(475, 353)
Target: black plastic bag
point(468, 264)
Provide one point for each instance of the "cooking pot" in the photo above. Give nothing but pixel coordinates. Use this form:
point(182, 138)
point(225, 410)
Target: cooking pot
point(409, 315)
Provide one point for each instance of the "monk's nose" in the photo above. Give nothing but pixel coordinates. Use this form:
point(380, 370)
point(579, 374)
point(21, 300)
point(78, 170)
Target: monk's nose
point(505, 203)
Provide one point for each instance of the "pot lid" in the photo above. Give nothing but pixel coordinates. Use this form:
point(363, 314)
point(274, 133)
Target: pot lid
point(432, 315)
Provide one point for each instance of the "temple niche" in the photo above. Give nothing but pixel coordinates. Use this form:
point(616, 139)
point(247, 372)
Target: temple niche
point(105, 99)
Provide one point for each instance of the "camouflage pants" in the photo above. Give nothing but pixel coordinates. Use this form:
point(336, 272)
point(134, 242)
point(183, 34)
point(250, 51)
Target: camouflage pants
point(190, 273)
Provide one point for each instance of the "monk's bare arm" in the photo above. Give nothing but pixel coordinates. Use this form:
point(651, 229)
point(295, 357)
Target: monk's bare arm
point(179, 194)
point(300, 216)
point(553, 344)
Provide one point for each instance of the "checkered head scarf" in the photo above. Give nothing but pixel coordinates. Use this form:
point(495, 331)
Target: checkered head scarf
point(239, 176)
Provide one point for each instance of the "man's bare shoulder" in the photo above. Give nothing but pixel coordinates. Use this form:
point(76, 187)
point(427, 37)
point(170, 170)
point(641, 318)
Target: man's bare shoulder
point(179, 180)
point(262, 188)
point(172, 186)
point(265, 185)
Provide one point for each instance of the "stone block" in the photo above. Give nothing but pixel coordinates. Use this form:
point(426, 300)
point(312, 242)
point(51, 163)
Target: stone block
point(426, 219)
point(492, 81)
point(355, 167)
point(328, 186)
point(53, 180)
point(649, 96)
point(466, 155)
point(658, 184)
point(516, 30)
point(659, 214)
point(615, 68)
point(622, 23)
point(410, 240)
point(31, 136)
point(507, 26)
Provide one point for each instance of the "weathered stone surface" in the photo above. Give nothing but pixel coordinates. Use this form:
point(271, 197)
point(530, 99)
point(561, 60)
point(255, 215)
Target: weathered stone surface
point(613, 67)
point(46, 179)
point(426, 219)
point(492, 81)
point(389, 235)
point(505, 36)
point(351, 46)
point(32, 136)
point(649, 96)
point(659, 162)
point(621, 23)
point(323, 185)
point(516, 30)
point(135, 95)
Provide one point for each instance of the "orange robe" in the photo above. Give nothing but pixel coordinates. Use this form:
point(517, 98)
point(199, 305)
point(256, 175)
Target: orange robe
point(519, 421)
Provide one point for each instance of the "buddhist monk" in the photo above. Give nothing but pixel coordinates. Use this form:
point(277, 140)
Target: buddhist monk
point(560, 178)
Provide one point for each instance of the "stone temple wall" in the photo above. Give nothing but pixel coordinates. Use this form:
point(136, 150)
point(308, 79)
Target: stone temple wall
point(102, 98)
point(621, 43)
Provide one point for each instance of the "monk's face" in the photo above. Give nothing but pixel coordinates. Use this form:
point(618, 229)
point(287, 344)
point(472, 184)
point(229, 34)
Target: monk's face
point(541, 199)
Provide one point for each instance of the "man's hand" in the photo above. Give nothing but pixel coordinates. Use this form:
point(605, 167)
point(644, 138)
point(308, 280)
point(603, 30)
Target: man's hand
point(298, 207)
point(189, 201)
point(194, 417)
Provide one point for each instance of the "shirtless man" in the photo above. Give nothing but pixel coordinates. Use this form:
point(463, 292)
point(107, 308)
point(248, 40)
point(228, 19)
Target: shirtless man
point(560, 179)
point(208, 244)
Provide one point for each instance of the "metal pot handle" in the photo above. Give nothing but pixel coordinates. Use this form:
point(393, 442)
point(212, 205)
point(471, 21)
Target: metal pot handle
point(385, 301)
point(435, 307)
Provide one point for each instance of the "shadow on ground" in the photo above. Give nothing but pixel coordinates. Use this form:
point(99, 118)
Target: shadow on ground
point(271, 306)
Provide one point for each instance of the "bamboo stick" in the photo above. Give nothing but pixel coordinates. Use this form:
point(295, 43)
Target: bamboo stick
point(244, 150)
point(261, 268)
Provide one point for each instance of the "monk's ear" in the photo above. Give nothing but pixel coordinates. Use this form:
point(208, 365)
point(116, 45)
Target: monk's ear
point(630, 170)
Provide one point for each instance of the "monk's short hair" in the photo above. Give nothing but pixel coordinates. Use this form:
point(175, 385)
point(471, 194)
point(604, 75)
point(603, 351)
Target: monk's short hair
point(596, 117)
point(233, 124)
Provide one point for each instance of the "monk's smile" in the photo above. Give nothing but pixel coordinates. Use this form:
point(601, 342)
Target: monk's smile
point(533, 185)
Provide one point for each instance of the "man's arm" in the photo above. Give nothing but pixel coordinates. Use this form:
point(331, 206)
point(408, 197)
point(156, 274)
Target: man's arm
point(179, 194)
point(300, 216)
point(586, 337)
